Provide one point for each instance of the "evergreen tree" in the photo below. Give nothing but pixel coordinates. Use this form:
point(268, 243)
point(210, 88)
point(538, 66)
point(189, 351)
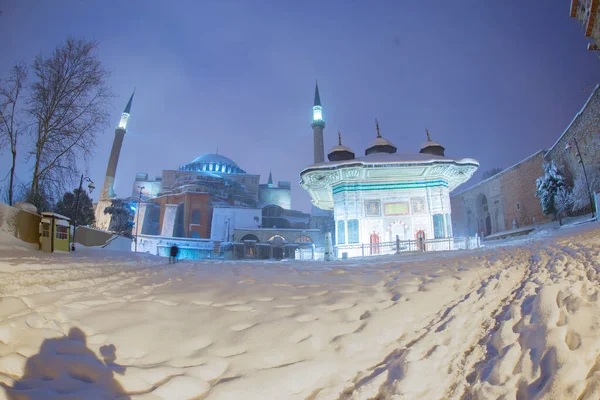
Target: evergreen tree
point(121, 217)
point(85, 212)
point(547, 187)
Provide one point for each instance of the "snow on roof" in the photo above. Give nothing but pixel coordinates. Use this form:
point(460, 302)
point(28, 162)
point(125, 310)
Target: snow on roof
point(340, 148)
point(430, 143)
point(55, 215)
point(404, 158)
point(576, 116)
point(380, 142)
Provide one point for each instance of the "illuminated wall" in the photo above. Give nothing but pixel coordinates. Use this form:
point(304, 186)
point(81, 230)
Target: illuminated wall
point(275, 195)
point(391, 209)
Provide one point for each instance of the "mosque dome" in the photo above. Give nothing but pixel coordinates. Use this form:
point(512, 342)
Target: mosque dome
point(340, 152)
point(380, 145)
point(431, 147)
point(214, 163)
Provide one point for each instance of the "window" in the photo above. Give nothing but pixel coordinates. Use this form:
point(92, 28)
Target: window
point(196, 215)
point(46, 230)
point(448, 225)
point(438, 226)
point(341, 232)
point(518, 206)
point(353, 231)
point(62, 232)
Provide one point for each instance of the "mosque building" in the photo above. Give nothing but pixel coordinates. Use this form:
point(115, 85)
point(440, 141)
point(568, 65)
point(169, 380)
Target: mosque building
point(212, 200)
point(385, 194)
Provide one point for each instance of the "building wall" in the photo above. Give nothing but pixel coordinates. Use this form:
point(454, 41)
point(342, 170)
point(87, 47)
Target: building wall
point(510, 199)
point(391, 213)
point(91, 237)
point(275, 195)
point(151, 188)
point(290, 235)
point(191, 202)
point(511, 194)
point(585, 129)
point(226, 219)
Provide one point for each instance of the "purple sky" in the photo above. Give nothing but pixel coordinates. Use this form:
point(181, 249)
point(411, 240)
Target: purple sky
point(495, 81)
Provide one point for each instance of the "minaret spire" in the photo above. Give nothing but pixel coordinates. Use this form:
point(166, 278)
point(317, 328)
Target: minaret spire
point(126, 113)
point(318, 124)
point(270, 182)
point(317, 97)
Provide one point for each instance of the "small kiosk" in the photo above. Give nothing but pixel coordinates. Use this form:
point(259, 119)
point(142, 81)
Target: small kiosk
point(54, 232)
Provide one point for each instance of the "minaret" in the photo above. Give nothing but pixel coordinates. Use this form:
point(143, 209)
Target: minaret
point(108, 191)
point(318, 124)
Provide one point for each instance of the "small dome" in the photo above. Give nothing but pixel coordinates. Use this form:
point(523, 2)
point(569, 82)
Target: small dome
point(431, 147)
point(213, 163)
point(340, 152)
point(380, 145)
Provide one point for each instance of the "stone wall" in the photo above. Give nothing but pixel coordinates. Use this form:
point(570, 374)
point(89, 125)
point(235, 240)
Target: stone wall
point(500, 203)
point(91, 237)
point(585, 129)
point(507, 200)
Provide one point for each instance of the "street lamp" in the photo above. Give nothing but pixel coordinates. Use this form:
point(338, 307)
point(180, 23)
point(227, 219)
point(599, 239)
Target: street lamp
point(90, 188)
point(137, 226)
point(570, 144)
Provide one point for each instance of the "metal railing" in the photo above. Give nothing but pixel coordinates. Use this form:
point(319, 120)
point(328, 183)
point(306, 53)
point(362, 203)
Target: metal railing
point(401, 246)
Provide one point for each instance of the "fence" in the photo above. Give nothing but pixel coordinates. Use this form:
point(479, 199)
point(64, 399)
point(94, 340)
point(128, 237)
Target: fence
point(401, 246)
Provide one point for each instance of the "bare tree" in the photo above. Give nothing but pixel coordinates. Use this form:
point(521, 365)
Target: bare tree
point(491, 172)
point(69, 97)
point(10, 126)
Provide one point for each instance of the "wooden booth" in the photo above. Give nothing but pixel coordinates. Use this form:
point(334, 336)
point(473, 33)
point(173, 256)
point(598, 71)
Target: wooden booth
point(54, 233)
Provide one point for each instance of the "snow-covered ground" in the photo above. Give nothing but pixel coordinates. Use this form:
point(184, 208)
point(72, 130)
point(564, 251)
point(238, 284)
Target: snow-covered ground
point(519, 319)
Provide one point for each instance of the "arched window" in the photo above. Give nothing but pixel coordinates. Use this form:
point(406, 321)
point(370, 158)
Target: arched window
point(303, 239)
point(250, 237)
point(277, 240)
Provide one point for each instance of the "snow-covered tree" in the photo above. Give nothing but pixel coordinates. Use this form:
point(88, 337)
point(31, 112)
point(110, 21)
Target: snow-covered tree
point(581, 196)
point(563, 201)
point(547, 187)
point(121, 217)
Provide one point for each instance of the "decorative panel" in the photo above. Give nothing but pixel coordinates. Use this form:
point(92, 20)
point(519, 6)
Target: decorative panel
point(372, 208)
point(399, 208)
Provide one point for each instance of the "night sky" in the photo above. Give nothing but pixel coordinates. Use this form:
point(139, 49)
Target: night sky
point(494, 81)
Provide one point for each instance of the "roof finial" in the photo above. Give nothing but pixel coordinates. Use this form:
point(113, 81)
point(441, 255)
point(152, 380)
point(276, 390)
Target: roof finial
point(339, 138)
point(270, 181)
point(377, 126)
point(428, 137)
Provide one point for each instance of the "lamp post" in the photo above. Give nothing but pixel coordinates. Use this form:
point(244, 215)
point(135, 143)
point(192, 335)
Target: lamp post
point(90, 188)
point(137, 227)
point(569, 144)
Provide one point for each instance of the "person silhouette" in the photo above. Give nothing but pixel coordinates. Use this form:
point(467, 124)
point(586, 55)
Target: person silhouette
point(66, 368)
